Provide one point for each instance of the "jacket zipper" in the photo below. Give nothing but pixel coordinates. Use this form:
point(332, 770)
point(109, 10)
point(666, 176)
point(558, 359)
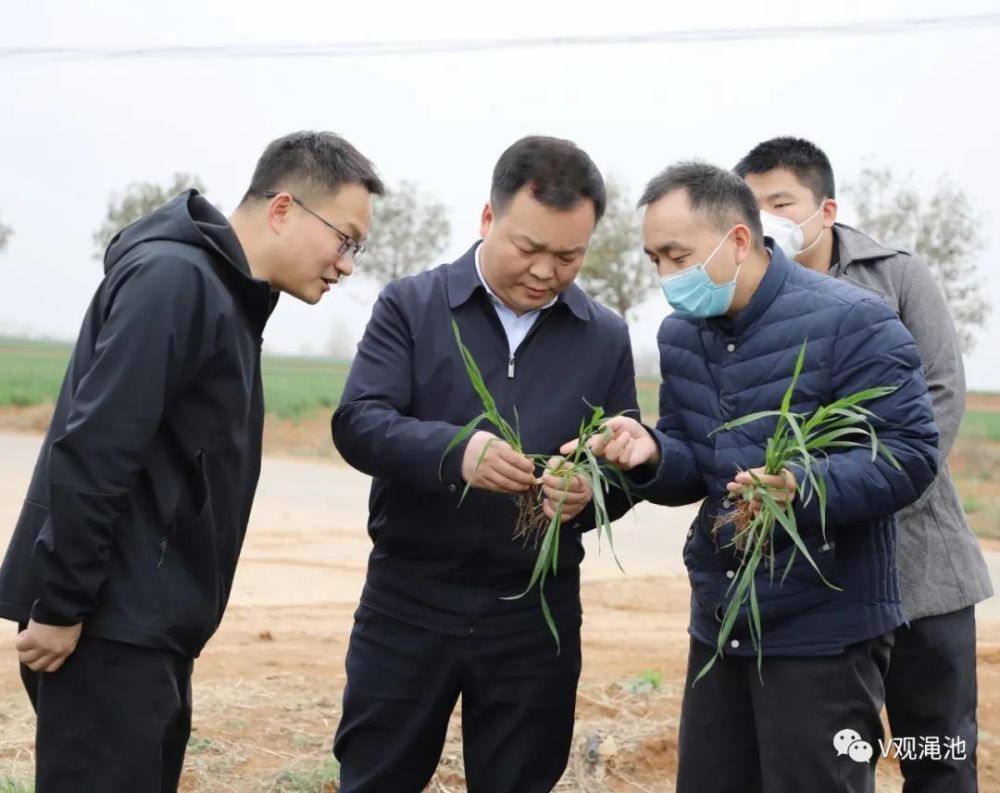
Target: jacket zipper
point(534, 328)
point(163, 552)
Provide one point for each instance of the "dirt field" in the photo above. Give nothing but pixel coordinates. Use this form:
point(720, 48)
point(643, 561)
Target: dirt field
point(268, 688)
point(983, 401)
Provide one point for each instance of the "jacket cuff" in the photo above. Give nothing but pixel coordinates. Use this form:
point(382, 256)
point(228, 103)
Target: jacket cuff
point(451, 470)
point(43, 615)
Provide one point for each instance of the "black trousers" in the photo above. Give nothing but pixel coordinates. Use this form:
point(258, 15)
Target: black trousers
point(739, 735)
point(518, 703)
point(931, 693)
point(115, 718)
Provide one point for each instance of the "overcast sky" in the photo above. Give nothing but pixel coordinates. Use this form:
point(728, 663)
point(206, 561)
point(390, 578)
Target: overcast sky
point(75, 130)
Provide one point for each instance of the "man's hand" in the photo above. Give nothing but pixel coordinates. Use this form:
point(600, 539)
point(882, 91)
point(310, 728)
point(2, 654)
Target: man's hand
point(781, 487)
point(501, 470)
point(624, 442)
point(574, 491)
point(44, 648)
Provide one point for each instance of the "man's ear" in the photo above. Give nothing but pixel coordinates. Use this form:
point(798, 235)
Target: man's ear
point(277, 211)
point(743, 238)
point(829, 212)
point(486, 220)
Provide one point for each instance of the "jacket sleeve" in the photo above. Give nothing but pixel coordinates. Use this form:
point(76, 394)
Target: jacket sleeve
point(873, 348)
point(145, 353)
point(676, 481)
point(925, 313)
point(621, 399)
point(371, 428)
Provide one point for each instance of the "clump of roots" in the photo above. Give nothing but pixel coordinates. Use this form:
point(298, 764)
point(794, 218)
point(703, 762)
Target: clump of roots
point(743, 520)
point(531, 521)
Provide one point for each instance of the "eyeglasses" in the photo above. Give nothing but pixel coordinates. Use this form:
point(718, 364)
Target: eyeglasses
point(348, 245)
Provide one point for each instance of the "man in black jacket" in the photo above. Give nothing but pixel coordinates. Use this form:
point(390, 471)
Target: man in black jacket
point(122, 560)
point(432, 625)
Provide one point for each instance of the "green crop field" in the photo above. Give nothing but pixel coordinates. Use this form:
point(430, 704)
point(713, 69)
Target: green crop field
point(982, 425)
point(294, 388)
point(31, 373)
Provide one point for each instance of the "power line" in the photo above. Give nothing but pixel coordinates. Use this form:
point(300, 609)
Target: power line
point(431, 46)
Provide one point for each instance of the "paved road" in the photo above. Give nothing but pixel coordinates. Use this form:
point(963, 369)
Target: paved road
point(307, 541)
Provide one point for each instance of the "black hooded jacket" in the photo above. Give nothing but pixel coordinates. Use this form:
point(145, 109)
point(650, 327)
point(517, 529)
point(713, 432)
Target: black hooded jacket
point(139, 502)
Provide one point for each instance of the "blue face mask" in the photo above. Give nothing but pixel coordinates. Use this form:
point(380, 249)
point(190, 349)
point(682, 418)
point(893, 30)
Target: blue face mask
point(693, 293)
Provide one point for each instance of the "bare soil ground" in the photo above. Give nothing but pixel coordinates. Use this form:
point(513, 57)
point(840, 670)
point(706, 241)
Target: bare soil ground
point(268, 688)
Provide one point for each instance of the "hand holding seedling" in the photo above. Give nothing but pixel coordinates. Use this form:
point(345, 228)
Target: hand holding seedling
point(781, 487)
point(559, 484)
point(491, 464)
point(624, 442)
point(45, 648)
point(799, 439)
point(566, 486)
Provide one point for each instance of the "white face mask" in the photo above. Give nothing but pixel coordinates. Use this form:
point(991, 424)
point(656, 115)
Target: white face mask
point(788, 234)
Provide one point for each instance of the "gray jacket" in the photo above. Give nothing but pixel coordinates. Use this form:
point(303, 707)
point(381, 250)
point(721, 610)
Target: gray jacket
point(941, 567)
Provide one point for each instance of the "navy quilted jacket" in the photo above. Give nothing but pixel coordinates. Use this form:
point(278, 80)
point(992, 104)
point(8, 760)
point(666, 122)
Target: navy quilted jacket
point(720, 369)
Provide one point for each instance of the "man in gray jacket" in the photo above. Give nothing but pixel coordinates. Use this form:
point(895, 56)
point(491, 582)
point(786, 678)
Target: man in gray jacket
point(931, 683)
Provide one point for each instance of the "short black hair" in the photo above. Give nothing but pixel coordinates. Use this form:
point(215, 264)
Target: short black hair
point(718, 194)
point(802, 157)
point(560, 173)
point(314, 163)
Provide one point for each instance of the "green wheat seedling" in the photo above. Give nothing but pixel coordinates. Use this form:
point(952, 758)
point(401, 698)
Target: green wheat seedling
point(802, 441)
point(532, 527)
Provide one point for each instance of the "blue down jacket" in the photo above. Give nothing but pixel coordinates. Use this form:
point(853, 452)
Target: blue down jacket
point(717, 370)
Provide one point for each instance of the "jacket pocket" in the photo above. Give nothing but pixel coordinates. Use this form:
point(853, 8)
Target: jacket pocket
point(822, 550)
point(190, 512)
point(187, 571)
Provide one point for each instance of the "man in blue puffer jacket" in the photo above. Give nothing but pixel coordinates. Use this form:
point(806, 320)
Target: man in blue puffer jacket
point(742, 311)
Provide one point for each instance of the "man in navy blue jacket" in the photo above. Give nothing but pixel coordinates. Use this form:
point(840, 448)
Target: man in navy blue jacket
point(931, 689)
point(432, 625)
point(742, 311)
